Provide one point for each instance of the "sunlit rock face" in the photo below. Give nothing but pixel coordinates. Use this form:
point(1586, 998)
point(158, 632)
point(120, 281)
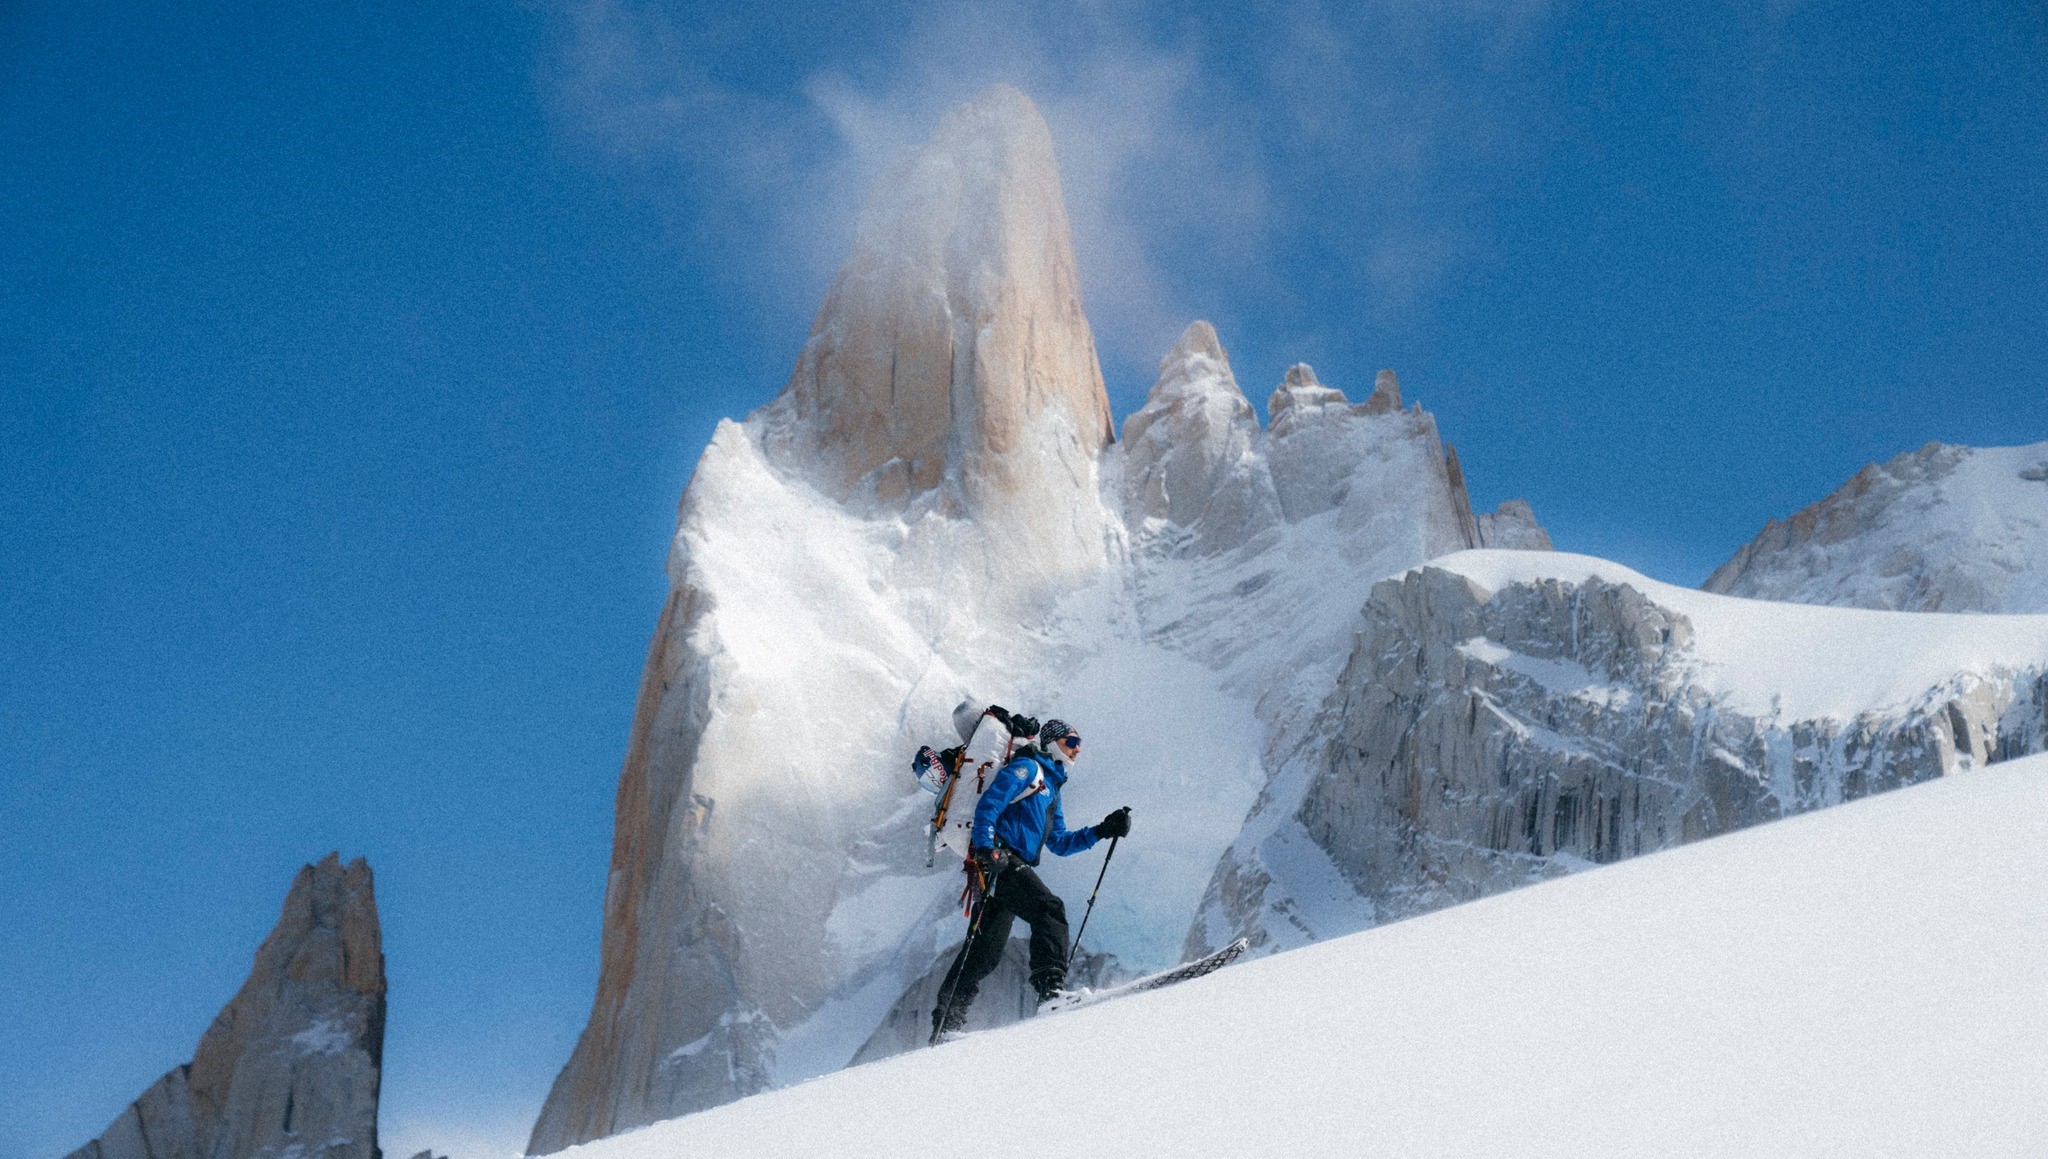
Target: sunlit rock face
point(1507, 717)
point(290, 1068)
point(1941, 529)
point(951, 354)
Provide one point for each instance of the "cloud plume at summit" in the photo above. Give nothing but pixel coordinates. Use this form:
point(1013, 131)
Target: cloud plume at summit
point(1176, 182)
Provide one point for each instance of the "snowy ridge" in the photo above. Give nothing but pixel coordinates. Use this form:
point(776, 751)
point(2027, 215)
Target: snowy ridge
point(1861, 981)
point(1798, 660)
point(1943, 528)
point(1506, 717)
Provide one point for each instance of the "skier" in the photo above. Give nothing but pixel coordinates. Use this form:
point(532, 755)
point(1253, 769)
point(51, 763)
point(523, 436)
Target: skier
point(1016, 819)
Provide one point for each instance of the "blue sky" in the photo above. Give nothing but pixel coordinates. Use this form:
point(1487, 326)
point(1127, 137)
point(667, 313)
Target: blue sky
point(353, 363)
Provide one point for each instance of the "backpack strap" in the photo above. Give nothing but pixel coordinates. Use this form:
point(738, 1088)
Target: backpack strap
point(1037, 785)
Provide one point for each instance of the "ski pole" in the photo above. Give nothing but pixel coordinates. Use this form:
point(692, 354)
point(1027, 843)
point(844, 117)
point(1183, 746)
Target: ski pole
point(959, 966)
point(1091, 898)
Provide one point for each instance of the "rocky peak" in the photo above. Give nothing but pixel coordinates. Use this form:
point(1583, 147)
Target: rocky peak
point(1386, 394)
point(1513, 526)
point(1195, 475)
point(948, 405)
point(1197, 365)
point(290, 1067)
point(951, 353)
point(1197, 342)
point(1299, 395)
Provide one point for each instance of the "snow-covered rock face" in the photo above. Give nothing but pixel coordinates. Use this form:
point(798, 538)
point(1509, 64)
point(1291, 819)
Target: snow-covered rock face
point(1253, 550)
point(1942, 529)
point(901, 530)
point(1513, 527)
point(1194, 460)
point(1326, 454)
point(290, 1068)
point(1506, 717)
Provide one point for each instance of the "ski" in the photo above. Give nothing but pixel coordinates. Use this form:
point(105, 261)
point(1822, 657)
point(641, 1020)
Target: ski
point(1207, 964)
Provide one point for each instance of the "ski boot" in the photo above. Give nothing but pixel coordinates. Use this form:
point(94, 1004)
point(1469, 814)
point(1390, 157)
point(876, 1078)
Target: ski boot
point(947, 1022)
point(1051, 987)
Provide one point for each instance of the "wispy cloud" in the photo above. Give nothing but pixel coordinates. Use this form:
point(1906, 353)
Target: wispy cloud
point(1148, 168)
point(1417, 111)
point(1187, 147)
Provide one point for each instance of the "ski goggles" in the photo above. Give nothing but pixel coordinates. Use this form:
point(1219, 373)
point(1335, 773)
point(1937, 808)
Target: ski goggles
point(1070, 741)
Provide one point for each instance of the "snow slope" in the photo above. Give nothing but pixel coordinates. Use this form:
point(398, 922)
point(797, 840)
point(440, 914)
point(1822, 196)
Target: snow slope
point(1862, 981)
point(1943, 528)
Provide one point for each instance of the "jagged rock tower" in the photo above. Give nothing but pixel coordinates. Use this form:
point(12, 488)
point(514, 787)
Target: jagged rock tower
point(929, 471)
point(951, 360)
point(290, 1068)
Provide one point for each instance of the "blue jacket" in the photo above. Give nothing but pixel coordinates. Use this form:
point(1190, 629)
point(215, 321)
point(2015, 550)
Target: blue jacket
point(1021, 809)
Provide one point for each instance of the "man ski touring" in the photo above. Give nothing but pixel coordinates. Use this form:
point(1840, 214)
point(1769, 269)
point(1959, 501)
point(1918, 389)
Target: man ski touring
point(1016, 820)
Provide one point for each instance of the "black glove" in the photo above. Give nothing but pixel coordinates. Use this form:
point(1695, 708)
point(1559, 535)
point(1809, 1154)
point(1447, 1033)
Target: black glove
point(990, 860)
point(1117, 824)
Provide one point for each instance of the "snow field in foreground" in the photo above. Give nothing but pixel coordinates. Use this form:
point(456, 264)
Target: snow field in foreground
point(1866, 980)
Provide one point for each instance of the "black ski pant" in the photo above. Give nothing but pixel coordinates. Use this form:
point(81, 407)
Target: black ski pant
point(1017, 894)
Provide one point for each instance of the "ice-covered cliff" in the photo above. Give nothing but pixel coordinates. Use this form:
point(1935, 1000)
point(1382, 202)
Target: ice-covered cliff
point(1940, 529)
point(932, 510)
point(290, 1067)
point(1509, 716)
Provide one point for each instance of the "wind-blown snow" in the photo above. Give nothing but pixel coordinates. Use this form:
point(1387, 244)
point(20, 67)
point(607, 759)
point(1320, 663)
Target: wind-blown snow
point(1804, 661)
point(1860, 981)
